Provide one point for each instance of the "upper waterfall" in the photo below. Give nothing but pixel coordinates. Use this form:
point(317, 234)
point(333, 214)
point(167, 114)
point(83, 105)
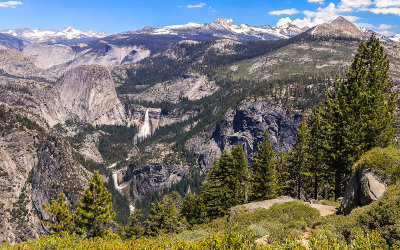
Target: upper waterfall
point(145, 131)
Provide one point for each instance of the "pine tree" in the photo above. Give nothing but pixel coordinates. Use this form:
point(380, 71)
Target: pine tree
point(194, 209)
point(135, 227)
point(239, 174)
point(226, 183)
point(283, 176)
point(164, 217)
point(263, 180)
point(94, 209)
point(299, 159)
point(216, 191)
point(317, 142)
point(359, 112)
point(60, 220)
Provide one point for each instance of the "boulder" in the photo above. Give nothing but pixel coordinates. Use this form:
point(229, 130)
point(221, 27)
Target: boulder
point(363, 188)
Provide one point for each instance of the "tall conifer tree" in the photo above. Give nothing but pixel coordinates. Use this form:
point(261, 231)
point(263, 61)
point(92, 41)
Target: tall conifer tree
point(239, 174)
point(359, 112)
point(60, 220)
point(94, 210)
point(226, 183)
point(299, 159)
point(263, 180)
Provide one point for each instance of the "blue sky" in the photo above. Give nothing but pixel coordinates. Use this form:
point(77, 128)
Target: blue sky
point(121, 15)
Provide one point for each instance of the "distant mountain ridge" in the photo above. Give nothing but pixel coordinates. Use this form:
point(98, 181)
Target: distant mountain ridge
point(225, 29)
point(54, 36)
point(220, 29)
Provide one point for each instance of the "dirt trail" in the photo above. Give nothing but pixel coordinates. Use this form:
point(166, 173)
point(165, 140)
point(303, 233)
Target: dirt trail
point(324, 210)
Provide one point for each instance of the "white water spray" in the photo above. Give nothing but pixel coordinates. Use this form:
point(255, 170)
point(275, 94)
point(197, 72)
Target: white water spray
point(145, 130)
point(115, 179)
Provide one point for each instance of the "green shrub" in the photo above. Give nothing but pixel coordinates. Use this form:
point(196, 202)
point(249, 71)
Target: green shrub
point(382, 216)
point(385, 162)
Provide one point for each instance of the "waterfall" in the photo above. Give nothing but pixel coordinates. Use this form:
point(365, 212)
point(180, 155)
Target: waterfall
point(115, 179)
point(145, 130)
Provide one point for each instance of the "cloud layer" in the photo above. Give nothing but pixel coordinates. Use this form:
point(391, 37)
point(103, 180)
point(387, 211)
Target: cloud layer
point(10, 4)
point(342, 8)
point(291, 11)
point(199, 5)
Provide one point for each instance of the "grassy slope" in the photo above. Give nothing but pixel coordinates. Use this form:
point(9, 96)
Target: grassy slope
point(313, 58)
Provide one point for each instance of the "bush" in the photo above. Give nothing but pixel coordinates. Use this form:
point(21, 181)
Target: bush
point(382, 216)
point(359, 240)
point(385, 162)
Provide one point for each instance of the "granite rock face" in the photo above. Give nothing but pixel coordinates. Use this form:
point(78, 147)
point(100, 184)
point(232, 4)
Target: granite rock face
point(245, 126)
point(84, 94)
point(340, 27)
point(154, 178)
point(364, 187)
point(33, 171)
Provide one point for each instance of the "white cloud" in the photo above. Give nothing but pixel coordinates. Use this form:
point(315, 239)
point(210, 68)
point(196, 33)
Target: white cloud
point(291, 11)
point(200, 5)
point(321, 15)
point(365, 25)
point(393, 10)
point(10, 4)
point(283, 21)
point(386, 26)
point(380, 27)
point(316, 1)
point(332, 11)
point(301, 23)
point(386, 3)
point(386, 33)
point(354, 5)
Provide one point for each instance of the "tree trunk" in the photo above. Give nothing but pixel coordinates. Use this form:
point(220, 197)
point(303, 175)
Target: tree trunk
point(316, 187)
point(338, 182)
point(298, 188)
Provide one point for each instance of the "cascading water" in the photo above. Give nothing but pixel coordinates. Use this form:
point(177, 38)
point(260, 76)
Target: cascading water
point(145, 130)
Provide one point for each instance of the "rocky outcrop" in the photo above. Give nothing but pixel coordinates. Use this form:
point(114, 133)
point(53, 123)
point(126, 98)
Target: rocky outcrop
point(89, 148)
point(363, 188)
point(340, 27)
point(17, 159)
point(56, 172)
point(59, 58)
point(33, 171)
point(191, 86)
point(84, 94)
point(154, 178)
point(245, 126)
point(21, 65)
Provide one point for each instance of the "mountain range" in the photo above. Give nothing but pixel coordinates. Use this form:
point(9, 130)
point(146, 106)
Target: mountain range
point(220, 29)
point(68, 35)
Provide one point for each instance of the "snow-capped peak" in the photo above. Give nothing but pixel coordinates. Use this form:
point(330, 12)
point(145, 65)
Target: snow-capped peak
point(395, 38)
point(39, 36)
point(226, 28)
point(225, 22)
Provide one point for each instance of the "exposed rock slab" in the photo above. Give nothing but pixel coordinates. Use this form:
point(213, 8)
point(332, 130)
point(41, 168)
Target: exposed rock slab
point(245, 126)
point(155, 178)
point(84, 94)
point(34, 171)
point(363, 188)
